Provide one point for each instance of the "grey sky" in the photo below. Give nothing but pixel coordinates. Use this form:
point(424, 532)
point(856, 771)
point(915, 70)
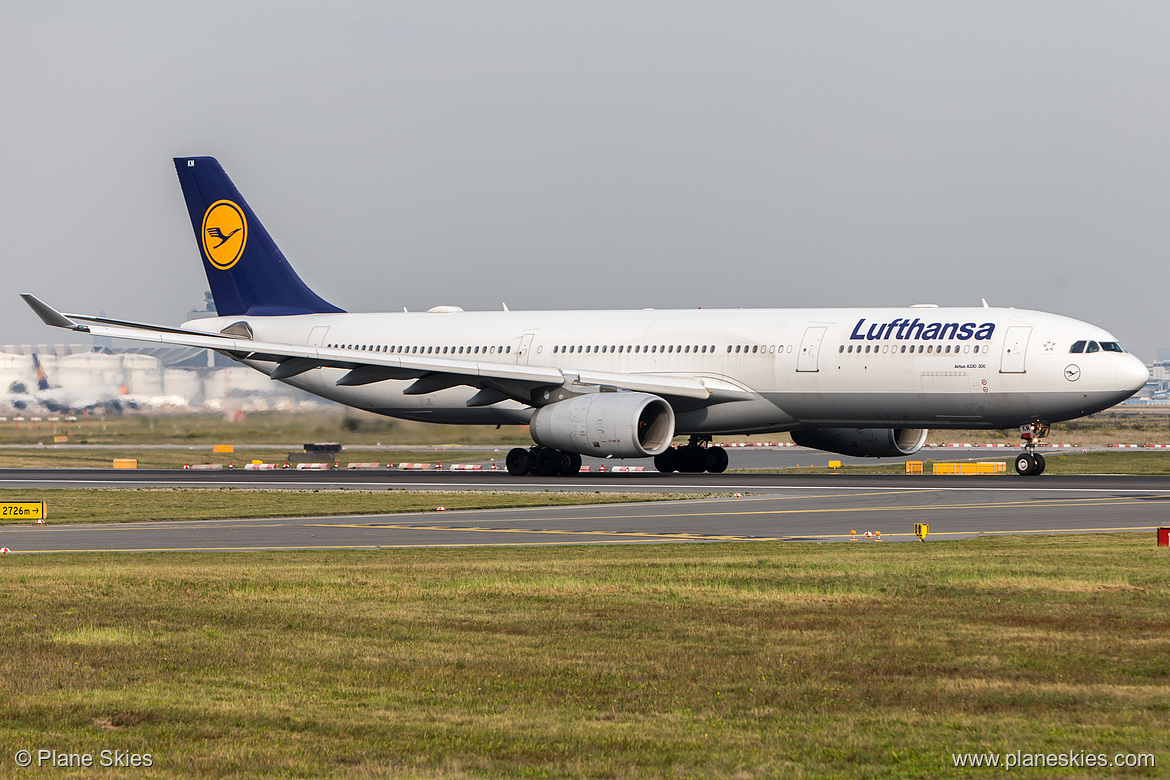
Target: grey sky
point(597, 155)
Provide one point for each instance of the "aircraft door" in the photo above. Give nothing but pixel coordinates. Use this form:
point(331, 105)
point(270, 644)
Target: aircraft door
point(525, 347)
point(810, 349)
point(317, 335)
point(1015, 349)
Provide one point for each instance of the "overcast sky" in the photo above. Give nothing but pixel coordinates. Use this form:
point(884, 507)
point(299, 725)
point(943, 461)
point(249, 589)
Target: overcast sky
point(597, 155)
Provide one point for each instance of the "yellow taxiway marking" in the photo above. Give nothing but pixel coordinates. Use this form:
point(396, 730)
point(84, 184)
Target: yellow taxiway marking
point(550, 531)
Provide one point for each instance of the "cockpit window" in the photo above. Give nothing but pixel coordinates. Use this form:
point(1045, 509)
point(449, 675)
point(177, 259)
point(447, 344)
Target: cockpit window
point(1078, 347)
point(1093, 347)
point(1111, 346)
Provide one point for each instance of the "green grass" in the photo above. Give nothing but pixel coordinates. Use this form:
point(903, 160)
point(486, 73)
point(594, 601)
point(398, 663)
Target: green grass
point(345, 426)
point(144, 504)
point(103, 458)
point(1155, 463)
point(744, 660)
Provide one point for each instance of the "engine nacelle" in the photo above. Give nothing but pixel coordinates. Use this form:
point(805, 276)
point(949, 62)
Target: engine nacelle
point(625, 425)
point(864, 442)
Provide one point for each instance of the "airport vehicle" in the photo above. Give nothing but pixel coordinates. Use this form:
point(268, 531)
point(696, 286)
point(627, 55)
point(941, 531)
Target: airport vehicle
point(623, 384)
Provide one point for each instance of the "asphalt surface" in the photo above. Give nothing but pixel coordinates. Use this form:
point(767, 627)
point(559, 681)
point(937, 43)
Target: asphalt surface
point(774, 507)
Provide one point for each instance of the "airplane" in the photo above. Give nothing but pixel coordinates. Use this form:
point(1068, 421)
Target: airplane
point(624, 384)
point(61, 399)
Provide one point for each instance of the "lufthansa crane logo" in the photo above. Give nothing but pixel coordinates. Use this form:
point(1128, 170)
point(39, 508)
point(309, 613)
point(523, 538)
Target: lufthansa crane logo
point(225, 234)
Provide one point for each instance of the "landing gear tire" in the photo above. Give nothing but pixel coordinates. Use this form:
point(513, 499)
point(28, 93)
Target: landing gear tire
point(667, 461)
point(694, 460)
point(571, 464)
point(549, 462)
point(1026, 465)
point(519, 462)
point(1039, 463)
point(717, 460)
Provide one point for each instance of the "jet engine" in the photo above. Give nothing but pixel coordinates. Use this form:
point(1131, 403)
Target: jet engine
point(624, 425)
point(863, 442)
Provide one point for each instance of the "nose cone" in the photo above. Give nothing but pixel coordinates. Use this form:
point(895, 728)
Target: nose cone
point(1132, 375)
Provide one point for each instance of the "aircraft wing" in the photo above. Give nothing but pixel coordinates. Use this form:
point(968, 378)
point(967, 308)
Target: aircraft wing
point(497, 381)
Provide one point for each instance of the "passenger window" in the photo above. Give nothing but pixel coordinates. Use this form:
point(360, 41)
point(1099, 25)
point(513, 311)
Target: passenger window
point(903, 347)
point(1078, 347)
point(867, 348)
point(755, 349)
point(1093, 347)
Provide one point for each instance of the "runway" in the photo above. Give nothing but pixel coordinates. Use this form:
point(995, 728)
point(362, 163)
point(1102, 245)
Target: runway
point(786, 507)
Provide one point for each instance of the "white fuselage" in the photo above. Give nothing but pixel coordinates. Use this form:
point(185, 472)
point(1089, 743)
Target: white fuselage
point(888, 368)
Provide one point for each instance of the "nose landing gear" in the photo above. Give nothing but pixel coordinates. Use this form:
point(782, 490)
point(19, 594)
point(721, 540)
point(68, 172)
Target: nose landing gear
point(1028, 462)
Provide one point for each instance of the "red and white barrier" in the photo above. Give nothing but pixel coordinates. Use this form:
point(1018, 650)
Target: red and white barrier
point(367, 466)
point(1125, 446)
point(626, 469)
point(418, 466)
point(205, 466)
point(314, 466)
point(260, 467)
point(466, 467)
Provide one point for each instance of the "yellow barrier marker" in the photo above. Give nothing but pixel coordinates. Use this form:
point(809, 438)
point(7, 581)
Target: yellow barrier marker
point(218, 448)
point(834, 464)
point(913, 467)
point(970, 468)
point(60, 439)
point(26, 510)
point(921, 530)
point(125, 463)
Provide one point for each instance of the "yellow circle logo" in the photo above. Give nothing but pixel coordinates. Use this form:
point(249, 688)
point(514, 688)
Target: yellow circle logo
point(225, 234)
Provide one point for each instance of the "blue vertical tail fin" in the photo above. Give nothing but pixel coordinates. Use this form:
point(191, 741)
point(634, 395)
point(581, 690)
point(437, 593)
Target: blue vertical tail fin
point(246, 270)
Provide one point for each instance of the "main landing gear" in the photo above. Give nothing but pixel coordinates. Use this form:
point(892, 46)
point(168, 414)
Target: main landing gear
point(543, 462)
point(696, 456)
point(1028, 462)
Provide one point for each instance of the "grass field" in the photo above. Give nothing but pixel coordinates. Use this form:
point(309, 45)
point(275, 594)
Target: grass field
point(143, 504)
point(737, 661)
point(151, 458)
